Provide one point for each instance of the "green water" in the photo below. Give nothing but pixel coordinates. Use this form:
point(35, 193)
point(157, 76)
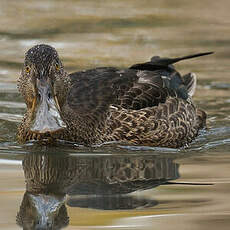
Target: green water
point(117, 186)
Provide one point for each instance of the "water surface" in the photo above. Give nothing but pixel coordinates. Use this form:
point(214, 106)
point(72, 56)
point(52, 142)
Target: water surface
point(111, 186)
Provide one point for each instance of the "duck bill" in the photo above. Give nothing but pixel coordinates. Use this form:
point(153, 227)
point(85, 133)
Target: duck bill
point(47, 209)
point(46, 110)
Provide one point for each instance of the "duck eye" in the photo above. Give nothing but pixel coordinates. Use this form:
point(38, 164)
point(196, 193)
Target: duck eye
point(27, 69)
point(57, 66)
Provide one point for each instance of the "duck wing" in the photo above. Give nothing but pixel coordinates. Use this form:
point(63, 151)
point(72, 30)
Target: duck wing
point(93, 91)
point(158, 80)
point(142, 85)
point(152, 88)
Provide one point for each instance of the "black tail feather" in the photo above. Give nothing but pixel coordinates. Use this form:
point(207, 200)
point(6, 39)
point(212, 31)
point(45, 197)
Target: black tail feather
point(174, 60)
point(186, 183)
point(159, 63)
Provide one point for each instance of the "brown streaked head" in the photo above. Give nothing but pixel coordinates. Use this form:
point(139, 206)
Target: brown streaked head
point(41, 73)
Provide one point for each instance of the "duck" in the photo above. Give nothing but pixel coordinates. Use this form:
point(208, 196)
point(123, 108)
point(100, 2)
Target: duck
point(146, 104)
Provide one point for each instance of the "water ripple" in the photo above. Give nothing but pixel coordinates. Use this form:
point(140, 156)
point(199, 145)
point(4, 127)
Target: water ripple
point(13, 105)
point(10, 162)
point(11, 117)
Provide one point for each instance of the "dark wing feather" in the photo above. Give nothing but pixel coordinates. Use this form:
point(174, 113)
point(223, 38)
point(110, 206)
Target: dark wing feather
point(142, 85)
point(154, 87)
point(93, 91)
point(159, 80)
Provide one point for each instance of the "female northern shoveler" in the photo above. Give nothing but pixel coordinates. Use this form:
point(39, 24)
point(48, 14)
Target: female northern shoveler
point(146, 104)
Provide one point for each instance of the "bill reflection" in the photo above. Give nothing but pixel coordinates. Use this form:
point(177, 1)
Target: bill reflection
point(100, 182)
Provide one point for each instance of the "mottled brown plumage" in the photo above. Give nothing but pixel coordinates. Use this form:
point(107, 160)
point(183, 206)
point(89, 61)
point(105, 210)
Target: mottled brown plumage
point(147, 104)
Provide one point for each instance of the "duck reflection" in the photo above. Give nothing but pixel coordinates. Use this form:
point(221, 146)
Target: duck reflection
point(101, 182)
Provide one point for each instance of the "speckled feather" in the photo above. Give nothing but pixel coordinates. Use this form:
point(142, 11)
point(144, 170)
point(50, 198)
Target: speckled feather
point(144, 107)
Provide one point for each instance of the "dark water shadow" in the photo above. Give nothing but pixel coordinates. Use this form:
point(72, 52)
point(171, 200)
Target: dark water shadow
point(99, 182)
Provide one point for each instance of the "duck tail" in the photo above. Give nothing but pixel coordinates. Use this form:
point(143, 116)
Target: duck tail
point(174, 60)
point(201, 118)
point(163, 62)
point(190, 82)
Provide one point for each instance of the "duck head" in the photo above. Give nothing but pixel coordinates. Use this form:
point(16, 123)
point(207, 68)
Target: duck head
point(42, 211)
point(41, 84)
